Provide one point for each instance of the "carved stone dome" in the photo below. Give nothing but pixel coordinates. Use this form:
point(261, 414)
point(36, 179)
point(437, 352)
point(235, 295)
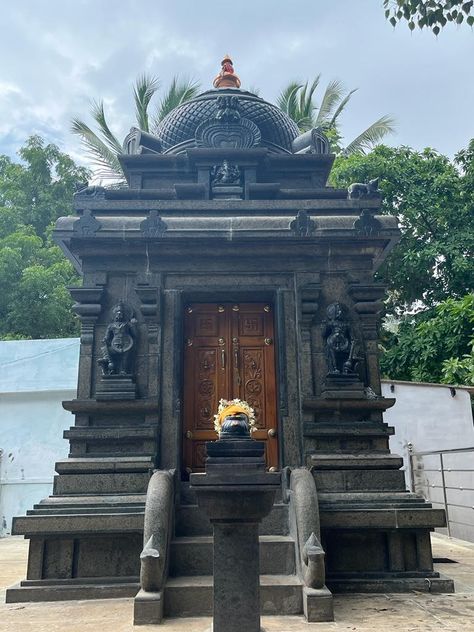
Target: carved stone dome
point(264, 122)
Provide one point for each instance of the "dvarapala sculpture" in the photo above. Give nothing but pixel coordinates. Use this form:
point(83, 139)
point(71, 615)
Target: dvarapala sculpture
point(119, 342)
point(340, 344)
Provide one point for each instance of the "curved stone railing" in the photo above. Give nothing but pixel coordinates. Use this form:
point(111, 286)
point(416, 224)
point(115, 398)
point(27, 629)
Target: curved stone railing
point(305, 527)
point(157, 531)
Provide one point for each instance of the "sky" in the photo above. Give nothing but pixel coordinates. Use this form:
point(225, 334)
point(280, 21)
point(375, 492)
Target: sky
point(58, 55)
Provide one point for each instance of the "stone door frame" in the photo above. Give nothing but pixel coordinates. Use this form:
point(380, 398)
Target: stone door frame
point(278, 289)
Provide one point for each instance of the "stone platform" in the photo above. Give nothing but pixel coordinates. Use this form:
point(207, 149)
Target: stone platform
point(412, 612)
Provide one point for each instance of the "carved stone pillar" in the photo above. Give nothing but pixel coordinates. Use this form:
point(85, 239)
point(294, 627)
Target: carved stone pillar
point(368, 305)
point(309, 306)
point(88, 307)
point(150, 307)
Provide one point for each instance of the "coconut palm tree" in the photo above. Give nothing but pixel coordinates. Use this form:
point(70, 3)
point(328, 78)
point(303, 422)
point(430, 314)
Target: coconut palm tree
point(104, 147)
point(297, 100)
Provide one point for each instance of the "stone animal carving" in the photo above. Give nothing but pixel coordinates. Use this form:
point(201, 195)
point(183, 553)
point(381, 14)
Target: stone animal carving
point(157, 532)
point(359, 190)
point(304, 512)
point(118, 344)
point(340, 345)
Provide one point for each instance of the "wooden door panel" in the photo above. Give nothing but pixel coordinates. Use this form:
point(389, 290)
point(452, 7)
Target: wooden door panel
point(229, 353)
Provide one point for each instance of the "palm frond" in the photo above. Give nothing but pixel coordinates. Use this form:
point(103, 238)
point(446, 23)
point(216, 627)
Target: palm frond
point(102, 156)
point(332, 96)
point(371, 136)
point(98, 114)
point(306, 104)
point(287, 99)
point(179, 92)
point(143, 91)
point(341, 107)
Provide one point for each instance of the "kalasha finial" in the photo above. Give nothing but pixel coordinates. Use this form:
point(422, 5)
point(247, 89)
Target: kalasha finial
point(227, 77)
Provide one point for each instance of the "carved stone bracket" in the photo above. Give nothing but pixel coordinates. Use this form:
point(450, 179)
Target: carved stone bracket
point(366, 224)
point(303, 225)
point(88, 306)
point(149, 298)
point(153, 225)
point(87, 225)
point(150, 308)
point(309, 304)
point(367, 298)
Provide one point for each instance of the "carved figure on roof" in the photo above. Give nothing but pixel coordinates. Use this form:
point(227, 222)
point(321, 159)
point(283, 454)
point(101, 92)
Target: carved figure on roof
point(118, 344)
point(360, 190)
point(227, 77)
point(228, 109)
point(340, 344)
point(225, 174)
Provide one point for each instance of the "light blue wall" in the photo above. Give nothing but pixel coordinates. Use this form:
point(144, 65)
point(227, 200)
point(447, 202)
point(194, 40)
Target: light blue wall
point(35, 376)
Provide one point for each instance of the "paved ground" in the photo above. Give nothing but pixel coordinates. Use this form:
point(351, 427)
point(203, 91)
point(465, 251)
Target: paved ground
point(415, 612)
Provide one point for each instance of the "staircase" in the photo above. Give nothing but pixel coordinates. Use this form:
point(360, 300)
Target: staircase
point(188, 589)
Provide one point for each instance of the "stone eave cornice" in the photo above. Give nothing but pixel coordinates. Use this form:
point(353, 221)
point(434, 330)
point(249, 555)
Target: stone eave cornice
point(327, 206)
point(223, 225)
point(272, 236)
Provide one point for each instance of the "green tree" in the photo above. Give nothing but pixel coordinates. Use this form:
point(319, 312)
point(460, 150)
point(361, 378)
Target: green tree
point(34, 274)
point(103, 146)
point(433, 346)
point(297, 100)
point(433, 198)
point(431, 14)
point(430, 274)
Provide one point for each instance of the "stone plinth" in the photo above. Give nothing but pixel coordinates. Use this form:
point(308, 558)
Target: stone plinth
point(236, 493)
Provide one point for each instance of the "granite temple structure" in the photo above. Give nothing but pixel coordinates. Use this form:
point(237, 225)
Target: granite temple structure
point(226, 267)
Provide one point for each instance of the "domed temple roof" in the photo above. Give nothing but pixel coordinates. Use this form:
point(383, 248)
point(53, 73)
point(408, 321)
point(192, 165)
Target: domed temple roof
point(191, 124)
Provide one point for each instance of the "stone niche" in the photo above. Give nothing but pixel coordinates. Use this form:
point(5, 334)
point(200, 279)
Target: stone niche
point(227, 213)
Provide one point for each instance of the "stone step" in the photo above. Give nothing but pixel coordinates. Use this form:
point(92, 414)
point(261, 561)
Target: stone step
point(27, 591)
point(105, 483)
point(188, 496)
point(191, 521)
point(99, 501)
point(192, 596)
point(388, 518)
point(111, 441)
point(95, 465)
point(194, 556)
point(98, 523)
point(353, 480)
point(371, 500)
point(116, 433)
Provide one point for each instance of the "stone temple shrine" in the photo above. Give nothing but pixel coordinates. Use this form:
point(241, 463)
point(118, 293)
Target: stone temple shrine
point(228, 268)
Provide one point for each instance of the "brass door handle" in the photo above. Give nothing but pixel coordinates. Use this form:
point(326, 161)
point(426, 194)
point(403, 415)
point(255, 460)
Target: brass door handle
point(189, 434)
point(272, 432)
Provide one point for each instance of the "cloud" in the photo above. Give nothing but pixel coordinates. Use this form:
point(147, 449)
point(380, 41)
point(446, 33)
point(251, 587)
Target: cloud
point(63, 54)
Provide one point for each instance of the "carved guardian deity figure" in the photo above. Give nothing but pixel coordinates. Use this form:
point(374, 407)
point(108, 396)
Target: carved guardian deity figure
point(118, 344)
point(340, 345)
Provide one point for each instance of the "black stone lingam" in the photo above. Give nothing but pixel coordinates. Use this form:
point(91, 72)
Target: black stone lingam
point(236, 493)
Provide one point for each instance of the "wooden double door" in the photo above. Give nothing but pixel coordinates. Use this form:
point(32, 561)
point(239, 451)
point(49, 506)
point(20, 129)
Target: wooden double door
point(229, 352)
